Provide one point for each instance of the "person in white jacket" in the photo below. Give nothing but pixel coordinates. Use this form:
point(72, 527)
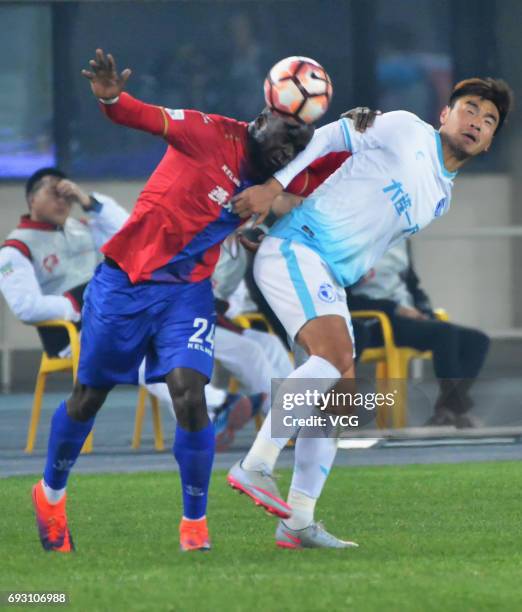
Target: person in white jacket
point(48, 259)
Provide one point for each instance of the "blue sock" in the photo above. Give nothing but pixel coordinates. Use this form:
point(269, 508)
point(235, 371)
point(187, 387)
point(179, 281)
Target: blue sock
point(66, 439)
point(194, 452)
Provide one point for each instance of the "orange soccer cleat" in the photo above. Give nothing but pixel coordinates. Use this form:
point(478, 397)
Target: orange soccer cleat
point(52, 522)
point(193, 535)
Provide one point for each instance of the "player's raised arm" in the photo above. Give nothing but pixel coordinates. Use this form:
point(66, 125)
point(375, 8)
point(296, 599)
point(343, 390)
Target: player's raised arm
point(107, 84)
point(183, 129)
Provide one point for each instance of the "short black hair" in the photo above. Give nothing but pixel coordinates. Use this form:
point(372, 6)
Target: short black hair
point(495, 90)
point(32, 182)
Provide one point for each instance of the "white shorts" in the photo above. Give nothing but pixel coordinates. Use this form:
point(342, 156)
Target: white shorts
point(298, 284)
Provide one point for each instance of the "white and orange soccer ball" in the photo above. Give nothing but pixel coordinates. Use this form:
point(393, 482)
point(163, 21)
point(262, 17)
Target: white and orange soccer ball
point(300, 88)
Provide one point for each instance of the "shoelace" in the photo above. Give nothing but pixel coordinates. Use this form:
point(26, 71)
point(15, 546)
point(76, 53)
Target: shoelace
point(272, 476)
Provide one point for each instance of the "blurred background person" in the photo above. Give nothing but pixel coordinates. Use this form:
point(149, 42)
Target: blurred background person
point(459, 352)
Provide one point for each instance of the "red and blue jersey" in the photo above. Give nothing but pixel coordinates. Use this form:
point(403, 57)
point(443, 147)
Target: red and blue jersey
point(183, 213)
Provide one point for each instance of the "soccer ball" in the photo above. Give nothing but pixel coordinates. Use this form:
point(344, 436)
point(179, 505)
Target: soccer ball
point(298, 87)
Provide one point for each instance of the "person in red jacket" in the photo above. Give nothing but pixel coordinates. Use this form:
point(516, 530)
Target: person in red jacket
point(152, 295)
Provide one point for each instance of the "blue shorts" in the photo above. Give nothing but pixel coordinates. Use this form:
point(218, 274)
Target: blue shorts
point(172, 325)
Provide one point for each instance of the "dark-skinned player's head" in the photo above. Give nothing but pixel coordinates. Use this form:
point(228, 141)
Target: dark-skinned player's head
point(476, 111)
point(274, 141)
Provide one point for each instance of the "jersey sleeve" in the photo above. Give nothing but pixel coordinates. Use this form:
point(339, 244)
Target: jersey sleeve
point(317, 172)
point(186, 130)
point(388, 130)
point(328, 139)
point(20, 288)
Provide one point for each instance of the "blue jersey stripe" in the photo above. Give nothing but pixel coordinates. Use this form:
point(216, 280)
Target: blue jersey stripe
point(298, 281)
point(346, 134)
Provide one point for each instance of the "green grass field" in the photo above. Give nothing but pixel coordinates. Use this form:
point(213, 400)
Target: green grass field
point(441, 538)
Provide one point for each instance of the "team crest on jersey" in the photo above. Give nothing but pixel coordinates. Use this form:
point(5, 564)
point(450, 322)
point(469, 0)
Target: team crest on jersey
point(439, 209)
point(326, 293)
point(175, 113)
point(50, 262)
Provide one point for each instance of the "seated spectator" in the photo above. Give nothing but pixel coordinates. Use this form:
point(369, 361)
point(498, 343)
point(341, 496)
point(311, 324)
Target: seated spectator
point(47, 261)
point(458, 352)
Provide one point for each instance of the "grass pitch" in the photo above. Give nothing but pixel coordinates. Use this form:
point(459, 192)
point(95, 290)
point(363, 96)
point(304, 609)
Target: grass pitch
point(441, 537)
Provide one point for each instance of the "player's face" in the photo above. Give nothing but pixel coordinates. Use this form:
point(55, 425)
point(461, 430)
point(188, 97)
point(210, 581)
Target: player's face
point(469, 126)
point(47, 205)
point(276, 147)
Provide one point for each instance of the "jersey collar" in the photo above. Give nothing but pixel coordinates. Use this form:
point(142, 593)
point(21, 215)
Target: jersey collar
point(445, 172)
point(27, 223)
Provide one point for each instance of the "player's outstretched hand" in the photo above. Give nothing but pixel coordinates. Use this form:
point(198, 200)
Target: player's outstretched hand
point(362, 117)
point(256, 200)
point(106, 83)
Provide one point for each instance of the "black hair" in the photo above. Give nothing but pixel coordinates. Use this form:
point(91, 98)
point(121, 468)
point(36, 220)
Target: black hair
point(495, 90)
point(33, 182)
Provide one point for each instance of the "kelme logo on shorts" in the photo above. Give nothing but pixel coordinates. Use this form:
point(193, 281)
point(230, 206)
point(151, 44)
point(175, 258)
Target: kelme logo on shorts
point(326, 293)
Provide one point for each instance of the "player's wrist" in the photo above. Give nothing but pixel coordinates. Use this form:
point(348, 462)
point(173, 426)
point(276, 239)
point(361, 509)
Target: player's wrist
point(274, 186)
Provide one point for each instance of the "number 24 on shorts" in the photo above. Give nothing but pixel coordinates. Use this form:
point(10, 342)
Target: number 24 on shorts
point(203, 337)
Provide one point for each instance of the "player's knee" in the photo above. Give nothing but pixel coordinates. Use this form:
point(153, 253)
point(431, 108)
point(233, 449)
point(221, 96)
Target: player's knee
point(189, 406)
point(85, 402)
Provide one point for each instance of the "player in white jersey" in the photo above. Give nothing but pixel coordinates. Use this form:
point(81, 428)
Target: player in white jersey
point(397, 180)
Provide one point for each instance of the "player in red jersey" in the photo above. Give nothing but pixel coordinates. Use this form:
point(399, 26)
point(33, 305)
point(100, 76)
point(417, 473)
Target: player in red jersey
point(152, 296)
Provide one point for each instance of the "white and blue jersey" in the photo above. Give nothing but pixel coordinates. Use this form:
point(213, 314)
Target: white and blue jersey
point(392, 186)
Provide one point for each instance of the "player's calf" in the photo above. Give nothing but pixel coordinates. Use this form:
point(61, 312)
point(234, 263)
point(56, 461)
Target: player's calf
point(194, 447)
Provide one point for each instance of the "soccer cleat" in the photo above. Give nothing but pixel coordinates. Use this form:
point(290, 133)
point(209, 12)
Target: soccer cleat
point(193, 535)
point(235, 413)
point(260, 486)
point(313, 536)
point(52, 522)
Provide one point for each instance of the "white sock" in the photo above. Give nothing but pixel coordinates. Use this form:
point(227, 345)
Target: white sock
point(303, 508)
point(265, 449)
point(314, 458)
point(189, 520)
point(53, 496)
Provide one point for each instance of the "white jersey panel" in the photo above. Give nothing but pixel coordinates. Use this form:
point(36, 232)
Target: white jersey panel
point(392, 186)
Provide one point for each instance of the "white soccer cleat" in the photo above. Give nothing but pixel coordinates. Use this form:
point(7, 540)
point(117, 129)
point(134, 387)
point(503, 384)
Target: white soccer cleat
point(313, 536)
point(261, 487)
